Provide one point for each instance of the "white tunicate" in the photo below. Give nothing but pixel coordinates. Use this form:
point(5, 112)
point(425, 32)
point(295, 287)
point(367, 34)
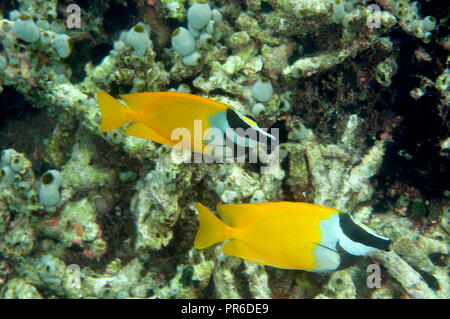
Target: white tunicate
point(183, 88)
point(46, 37)
point(300, 131)
point(338, 10)
point(419, 33)
point(399, 5)
point(8, 40)
point(348, 5)
point(429, 23)
point(339, 283)
point(282, 151)
point(415, 6)
point(123, 36)
point(3, 63)
point(221, 170)
point(192, 59)
point(5, 25)
point(182, 41)
point(211, 27)
point(63, 45)
point(262, 90)
point(206, 40)
point(416, 24)
point(16, 164)
point(118, 46)
point(23, 186)
point(286, 103)
point(6, 175)
point(427, 37)
point(13, 61)
point(163, 150)
point(229, 196)
point(258, 109)
point(25, 29)
point(58, 26)
point(13, 15)
point(348, 21)
point(258, 197)
point(51, 14)
point(6, 156)
point(219, 187)
point(195, 33)
point(216, 15)
point(49, 188)
point(170, 188)
point(217, 34)
point(168, 176)
point(199, 14)
point(43, 24)
point(138, 38)
point(299, 10)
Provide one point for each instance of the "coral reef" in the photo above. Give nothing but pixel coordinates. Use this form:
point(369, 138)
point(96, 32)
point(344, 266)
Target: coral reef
point(86, 214)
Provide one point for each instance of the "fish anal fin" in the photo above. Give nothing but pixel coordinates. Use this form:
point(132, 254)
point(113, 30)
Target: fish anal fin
point(237, 248)
point(143, 131)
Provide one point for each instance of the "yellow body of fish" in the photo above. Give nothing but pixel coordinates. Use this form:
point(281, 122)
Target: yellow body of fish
point(288, 235)
point(158, 114)
point(281, 234)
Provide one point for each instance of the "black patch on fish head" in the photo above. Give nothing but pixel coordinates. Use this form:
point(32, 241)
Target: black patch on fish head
point(346, 259)
point(239, 126)
point(360, 235)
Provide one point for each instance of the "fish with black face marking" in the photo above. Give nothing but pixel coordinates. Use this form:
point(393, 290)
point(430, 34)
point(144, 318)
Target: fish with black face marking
point(288, 235)
point(158, 114)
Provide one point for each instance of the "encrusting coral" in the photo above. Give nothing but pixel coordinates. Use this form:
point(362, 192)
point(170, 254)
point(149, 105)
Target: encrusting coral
point(129, 203)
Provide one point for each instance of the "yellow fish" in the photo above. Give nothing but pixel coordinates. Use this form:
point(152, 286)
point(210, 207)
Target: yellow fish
point(157, 116)
point(288, 235)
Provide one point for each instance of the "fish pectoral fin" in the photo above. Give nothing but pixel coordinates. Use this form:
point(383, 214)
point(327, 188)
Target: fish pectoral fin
point(143, 131)
point(325, 247)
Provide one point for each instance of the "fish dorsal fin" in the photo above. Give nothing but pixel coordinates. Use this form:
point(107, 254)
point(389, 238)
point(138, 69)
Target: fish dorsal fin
point(143, 131)
point(300, 207)
point(139, 101)
point(238, 214)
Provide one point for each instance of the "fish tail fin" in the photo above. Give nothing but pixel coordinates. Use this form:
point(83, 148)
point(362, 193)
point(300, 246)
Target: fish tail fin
point(211, 230)
point(114, 114)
